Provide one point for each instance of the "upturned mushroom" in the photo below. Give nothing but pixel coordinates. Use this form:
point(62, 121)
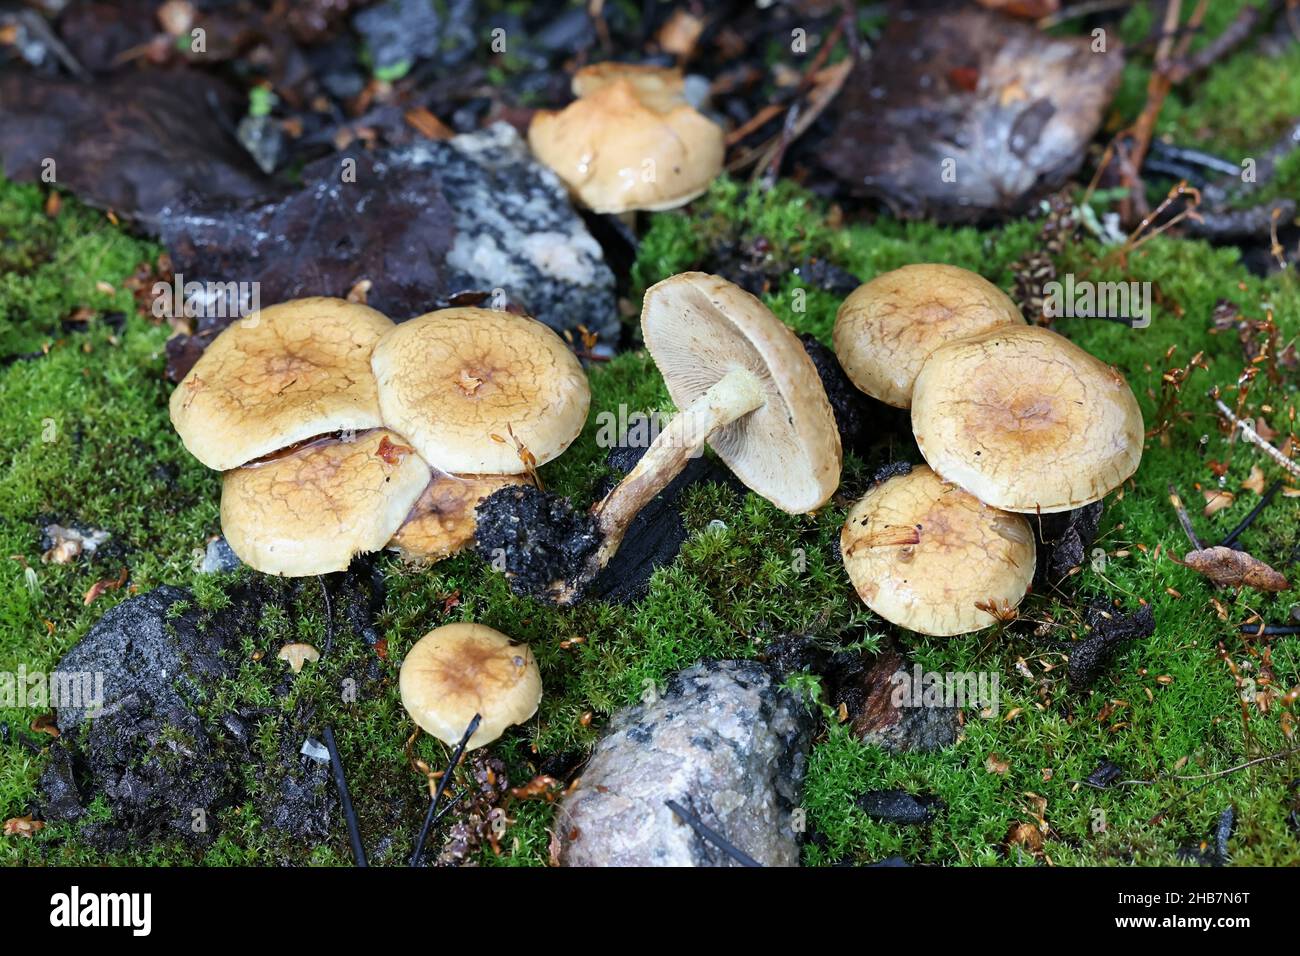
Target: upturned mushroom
point(481, 391)
point(311, 509)
point(886, 328)
point(630, 141)
point(459, 670)
point(285, 374)
point(744, 386)
point(442, 521)
point(1025, 420)
point(928, 556)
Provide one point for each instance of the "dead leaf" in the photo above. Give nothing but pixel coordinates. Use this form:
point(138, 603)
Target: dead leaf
point(541, 787)
point(996, 763)
point(1025, 835)
point(101, 587)
point(297, 655)
point(1255, 482)
point(1216, 500)
point(45, 724)
point(23, 826)
point(1232, 568)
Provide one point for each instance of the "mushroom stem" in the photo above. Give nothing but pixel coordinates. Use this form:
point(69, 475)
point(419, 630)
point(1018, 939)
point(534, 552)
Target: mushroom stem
point(733, 396)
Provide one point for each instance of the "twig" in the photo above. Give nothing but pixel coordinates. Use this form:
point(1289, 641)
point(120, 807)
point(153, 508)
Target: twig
point(712, 835)
point(1248, 432)
point(442, 785)
point(1232, 536)
point(1270, 630)
point(1199, 776)
point(345, 800)
point(1184, 518)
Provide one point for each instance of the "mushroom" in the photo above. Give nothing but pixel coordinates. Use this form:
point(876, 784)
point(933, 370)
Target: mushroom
point(442, 521)
point(1025, 420)
point(459, 670)
point(481, 391)
point(286, 373)
point(927, 556)
point(310, 509)
point(886, 328)
point(630, 141)
point(743, 384)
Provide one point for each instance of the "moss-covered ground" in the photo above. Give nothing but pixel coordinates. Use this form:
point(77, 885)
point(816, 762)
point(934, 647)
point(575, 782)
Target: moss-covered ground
point(87, 439)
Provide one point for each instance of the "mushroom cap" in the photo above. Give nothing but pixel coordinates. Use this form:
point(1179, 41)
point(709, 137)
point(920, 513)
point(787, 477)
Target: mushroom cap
point(887, 327)
point(459, 382)
point(443, 521)
point(286, 373)
point(630, 142)
point(699, 327)
point(459, 670)
point(1025, 420)
point(311, 509)
point(927, 556)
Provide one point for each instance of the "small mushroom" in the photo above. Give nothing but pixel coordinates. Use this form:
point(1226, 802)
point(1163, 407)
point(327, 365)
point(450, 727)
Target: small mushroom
point(442, 521)
point(630, 141)
point(296, 655)
point(310, 509)
point(1025, 420)
point(481, 391)
point(927, 556)
point(285, 374)
point(886, 328)
point(459, 670)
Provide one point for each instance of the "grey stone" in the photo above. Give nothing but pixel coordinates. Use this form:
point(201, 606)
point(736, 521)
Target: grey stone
point(427, 223)
point(726, 742)
point(219, 556)
point(141, 654)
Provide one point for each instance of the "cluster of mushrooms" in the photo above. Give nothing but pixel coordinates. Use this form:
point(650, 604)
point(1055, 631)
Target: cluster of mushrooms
point(339, 432)
point(1011, 419)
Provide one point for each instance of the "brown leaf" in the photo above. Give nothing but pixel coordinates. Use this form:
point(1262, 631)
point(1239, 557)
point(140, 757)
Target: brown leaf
point(1216, 500)
point(1255, 482)
point(1026, 835)
point(45, 724)
point(23, 826)
point(996, 763)
point(541, 787)
point(100, 587)
point(1232, 568)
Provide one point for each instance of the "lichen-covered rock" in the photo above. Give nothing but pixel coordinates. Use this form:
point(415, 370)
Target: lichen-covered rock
point(427, 224)
point(726, 742)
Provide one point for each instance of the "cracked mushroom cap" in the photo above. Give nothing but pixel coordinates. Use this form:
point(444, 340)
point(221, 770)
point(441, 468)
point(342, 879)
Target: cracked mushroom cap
point(459, 670)
point(1025, 420)
point(886, 328)
point(309, 510)
point(443, 520)
point(631, 141)
point(466, 385)
point(927, 556)
point(286, 373)
point(699, 327)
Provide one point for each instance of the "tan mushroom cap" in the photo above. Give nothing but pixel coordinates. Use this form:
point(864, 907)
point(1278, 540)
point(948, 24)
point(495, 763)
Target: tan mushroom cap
point(927, 556)
point(886, 328)
point(443, 521)
point(463, 385)
point(459, 670)
point(699, 327)
point(631, 141)
point(311, 509)
point(1025, 420)
point(286, 373)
